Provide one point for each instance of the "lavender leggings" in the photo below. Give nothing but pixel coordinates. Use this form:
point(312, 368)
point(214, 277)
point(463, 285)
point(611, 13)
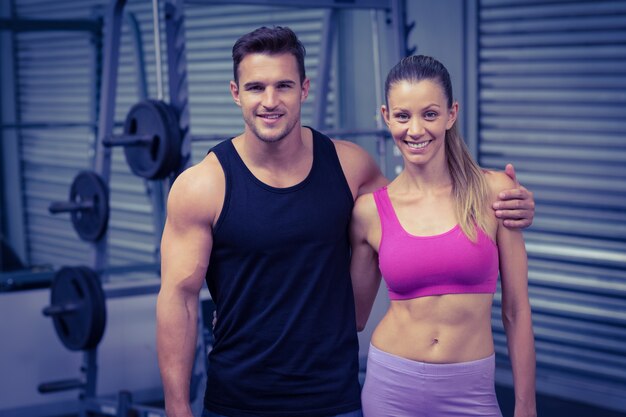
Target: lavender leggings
point(399, 387)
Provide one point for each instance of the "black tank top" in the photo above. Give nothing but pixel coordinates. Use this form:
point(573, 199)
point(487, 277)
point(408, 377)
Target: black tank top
point(285, 337)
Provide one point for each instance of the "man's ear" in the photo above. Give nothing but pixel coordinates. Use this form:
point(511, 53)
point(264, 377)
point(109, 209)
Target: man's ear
point(306, 84)
point(234, 91)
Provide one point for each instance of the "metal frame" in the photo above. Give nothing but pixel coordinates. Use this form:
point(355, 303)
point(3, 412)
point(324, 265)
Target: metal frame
point(470, 59)
point(309, 4)
point(30, 25)
point(9, 118)
point(106, 116)
point(11, 161)
point(177, 76)
point(397, 13)
point(88, 377)
point(114, 14)
point(155, 190)
point(87, 381)
point(396, 8)
point(179, 100)
point(94, 26)
point(323, 69)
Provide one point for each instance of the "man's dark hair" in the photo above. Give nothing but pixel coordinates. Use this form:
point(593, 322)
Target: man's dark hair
point(264, 40)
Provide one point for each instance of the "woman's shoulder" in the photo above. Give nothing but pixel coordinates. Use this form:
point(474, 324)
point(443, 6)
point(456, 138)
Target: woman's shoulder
point(498, 181)
point(365, 207)
point(365, 202)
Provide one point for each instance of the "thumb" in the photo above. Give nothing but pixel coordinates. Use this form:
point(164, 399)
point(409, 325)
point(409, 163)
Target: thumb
point(510, 171)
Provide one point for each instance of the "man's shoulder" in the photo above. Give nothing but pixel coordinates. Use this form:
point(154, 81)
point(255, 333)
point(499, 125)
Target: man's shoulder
point(200, 187)
point(344, 148)
point(205, 172)
point(360, 169)
point(347, 146)
point(353, 158)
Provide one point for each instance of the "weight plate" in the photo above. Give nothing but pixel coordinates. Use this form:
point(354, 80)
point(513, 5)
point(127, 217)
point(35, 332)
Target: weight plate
point(152, 159)
point(99, 307)
point(76, 295)
point(91, 223)
point(173, 160)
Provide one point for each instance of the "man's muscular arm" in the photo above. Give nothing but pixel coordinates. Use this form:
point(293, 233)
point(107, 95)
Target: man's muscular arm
point(361, 171)
point(185, 249)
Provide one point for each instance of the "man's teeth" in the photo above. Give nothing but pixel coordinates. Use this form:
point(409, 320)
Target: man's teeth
point(419, 145)
point(271, 116)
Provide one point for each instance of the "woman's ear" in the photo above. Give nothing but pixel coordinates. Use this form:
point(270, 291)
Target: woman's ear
point(385, 113)
point(452, 115)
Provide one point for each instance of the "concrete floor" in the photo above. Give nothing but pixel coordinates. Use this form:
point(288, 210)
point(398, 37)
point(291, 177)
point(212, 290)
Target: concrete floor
point(553, 407)
point(547, 406)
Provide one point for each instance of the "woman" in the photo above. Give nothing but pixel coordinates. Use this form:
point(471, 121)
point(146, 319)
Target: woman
point(439, 247)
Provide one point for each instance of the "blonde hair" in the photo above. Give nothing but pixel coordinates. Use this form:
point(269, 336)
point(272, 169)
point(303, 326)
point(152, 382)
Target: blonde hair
point(469, 186)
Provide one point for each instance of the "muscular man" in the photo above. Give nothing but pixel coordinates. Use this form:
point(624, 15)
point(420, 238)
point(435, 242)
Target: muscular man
point(264, 220)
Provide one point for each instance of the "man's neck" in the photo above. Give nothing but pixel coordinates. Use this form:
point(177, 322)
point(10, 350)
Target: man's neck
point(279, 164)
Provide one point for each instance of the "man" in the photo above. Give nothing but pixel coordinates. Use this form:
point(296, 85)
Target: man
point(264, 220)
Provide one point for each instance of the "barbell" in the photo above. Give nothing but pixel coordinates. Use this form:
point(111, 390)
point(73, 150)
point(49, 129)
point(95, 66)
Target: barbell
point(88, 205)
point(77, 307)
point(151, 139)
point(78, 301)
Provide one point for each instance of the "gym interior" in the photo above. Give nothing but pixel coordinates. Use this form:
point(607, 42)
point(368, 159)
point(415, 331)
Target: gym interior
point(87, 85)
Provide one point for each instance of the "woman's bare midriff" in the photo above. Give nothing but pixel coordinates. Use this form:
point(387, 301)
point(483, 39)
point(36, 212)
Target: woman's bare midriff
point(448, 328)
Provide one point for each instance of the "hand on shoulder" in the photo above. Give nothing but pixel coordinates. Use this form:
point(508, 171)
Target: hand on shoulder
point(498, 181)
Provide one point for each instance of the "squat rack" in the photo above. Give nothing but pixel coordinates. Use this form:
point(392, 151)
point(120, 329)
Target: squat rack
point(178, 81)
point(178, 101)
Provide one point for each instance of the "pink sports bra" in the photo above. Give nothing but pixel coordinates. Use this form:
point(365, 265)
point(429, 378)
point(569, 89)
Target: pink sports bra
point(447, 263)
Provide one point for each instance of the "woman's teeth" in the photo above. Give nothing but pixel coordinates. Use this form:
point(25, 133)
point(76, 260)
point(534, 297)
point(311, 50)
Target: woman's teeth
point(418, 145)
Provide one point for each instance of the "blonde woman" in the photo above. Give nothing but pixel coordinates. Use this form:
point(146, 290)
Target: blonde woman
point(440, 249)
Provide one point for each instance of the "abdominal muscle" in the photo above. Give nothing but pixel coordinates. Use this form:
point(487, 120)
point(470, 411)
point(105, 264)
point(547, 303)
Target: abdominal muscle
point(448, 328)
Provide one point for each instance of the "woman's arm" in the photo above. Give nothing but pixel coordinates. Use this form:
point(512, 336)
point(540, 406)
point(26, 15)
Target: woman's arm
point(516, 312)
point(364, 264)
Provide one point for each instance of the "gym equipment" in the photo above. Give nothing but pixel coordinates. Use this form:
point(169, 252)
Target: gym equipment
point(78, 310)
point(151, 139)
point(78, 302)
point(88, 205)
point(77, 307)
point(157, 145)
